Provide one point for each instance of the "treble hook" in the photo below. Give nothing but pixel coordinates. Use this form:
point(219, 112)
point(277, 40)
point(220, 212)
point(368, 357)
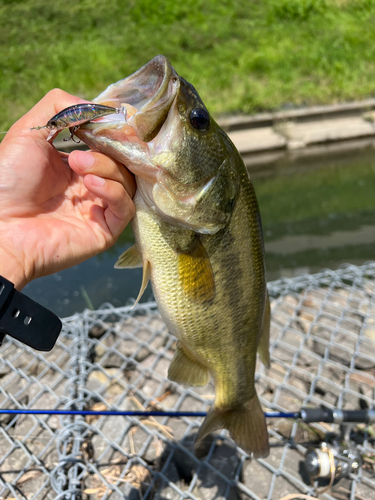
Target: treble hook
point(72, 130)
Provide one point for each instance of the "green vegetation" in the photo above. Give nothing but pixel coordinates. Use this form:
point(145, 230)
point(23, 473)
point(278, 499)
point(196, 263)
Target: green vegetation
point(242, 56)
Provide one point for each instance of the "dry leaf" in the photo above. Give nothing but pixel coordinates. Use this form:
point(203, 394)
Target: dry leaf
point(92, 491)
point(28, 476)
point(365, 379)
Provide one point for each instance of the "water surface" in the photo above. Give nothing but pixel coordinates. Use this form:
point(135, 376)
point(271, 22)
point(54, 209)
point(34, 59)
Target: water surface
point(317, 213)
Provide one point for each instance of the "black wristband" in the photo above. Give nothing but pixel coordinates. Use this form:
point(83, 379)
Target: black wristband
point(25, 320)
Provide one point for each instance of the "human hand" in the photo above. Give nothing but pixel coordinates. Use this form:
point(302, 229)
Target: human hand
point(56, 210)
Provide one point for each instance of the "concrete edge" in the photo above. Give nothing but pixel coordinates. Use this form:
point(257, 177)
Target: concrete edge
point(313, 113)
point(280, 140)
point(263, 160)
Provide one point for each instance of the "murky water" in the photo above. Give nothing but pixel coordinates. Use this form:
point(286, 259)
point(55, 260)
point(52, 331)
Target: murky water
point(316, 213)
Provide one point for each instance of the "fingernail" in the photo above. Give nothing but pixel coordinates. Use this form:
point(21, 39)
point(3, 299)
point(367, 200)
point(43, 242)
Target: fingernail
point(84, 159)
point(96, 180)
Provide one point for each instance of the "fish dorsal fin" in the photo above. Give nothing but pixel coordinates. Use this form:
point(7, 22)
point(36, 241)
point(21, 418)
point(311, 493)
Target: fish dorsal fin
point(195, 273)
point(264, 340)
point(145, 279)
point(130, 259)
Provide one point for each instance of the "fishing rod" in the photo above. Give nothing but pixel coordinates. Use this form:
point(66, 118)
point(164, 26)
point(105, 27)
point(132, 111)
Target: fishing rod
point(136, 413)
point(334, 460)
point(307, 415)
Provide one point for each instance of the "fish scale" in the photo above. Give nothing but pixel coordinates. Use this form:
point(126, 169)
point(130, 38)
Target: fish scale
point(199, 239)
point(226, 322)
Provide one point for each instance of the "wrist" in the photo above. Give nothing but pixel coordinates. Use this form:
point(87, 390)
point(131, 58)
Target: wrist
point(13, 270)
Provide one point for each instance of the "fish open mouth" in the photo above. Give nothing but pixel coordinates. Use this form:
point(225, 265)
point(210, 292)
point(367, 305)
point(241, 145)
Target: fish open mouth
point(152, 139)
point(146, 96)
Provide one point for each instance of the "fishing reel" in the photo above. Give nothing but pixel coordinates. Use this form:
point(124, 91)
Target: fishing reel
point(338, 457)
point(332, 461)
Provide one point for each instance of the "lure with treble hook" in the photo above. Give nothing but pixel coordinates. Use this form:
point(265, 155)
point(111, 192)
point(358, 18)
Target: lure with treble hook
point(74, 116)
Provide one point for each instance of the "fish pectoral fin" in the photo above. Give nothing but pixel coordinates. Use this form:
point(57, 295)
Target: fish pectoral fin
point(130, 259)
point(245, 423)
point(186, 370)
point(264, 340)
point(145, 279)
point(195, 273)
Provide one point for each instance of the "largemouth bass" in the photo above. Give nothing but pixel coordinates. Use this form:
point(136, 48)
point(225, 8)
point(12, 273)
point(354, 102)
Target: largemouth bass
point(198, 237)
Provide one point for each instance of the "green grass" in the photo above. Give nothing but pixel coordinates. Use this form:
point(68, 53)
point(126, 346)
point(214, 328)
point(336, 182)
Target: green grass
point(243, 56)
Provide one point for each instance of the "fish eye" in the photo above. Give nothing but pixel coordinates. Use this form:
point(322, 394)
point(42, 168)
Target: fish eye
point(200, 119)
point(53, 123)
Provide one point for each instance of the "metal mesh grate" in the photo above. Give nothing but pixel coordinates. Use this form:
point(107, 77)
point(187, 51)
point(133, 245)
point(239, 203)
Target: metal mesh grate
point(323, 352)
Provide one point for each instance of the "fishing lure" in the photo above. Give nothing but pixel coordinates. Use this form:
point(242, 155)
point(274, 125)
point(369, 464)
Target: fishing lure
point(74, 116)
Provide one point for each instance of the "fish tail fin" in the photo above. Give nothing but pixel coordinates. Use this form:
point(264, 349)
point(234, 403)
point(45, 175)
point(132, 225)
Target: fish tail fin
point(245, 423)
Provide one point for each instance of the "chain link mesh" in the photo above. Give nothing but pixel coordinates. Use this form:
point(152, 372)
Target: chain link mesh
point(322, 352)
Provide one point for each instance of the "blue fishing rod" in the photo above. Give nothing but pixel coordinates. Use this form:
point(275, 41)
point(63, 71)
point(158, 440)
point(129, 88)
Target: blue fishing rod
point(136, 413)
point(332, 461)
point(307, 415)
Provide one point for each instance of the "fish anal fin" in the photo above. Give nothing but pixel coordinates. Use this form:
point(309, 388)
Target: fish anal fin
point(195, 273)
point(145, 279)
point(186, 370)
point(130, 259)
point(245, 423)
point(264, 340)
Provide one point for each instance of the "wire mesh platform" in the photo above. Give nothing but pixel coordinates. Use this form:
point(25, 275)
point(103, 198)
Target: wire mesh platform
point(322, 352)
